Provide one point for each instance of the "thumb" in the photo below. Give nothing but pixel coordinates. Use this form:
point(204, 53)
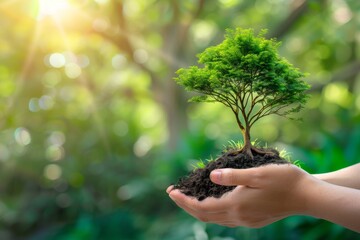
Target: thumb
point(233, 177)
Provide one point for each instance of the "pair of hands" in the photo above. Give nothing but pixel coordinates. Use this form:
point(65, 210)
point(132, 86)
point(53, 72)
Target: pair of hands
point(263, 195)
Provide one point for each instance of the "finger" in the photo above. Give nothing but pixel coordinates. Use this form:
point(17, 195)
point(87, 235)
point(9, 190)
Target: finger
point(234, 177)
point(188, 210)
point(169, 189)
point(209, 205)
point(260, 223)
point(213, 216)
point(251, 177)
point(206, 217)
point(229, 224)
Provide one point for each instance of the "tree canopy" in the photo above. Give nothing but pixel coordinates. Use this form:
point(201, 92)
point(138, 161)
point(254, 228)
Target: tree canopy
point(246, 74)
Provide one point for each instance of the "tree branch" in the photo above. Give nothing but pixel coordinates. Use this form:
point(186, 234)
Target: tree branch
point(300, 8)
point(123, 30)
point(348, 71)
point(184, 33)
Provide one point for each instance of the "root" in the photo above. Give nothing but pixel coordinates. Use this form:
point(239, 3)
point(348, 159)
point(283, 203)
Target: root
point(270, 152)
point(254, 150)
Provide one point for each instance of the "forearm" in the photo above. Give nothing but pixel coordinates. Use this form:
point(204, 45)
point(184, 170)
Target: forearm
point(347, 177)
point(338, 204)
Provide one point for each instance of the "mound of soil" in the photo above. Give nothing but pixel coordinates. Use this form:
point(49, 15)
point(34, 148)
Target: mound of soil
point(198, 184)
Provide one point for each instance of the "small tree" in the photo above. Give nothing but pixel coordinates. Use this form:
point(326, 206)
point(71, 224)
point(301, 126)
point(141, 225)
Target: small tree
point(246, 74)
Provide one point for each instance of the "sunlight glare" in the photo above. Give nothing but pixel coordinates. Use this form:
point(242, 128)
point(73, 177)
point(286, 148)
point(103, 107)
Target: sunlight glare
point(51, 7)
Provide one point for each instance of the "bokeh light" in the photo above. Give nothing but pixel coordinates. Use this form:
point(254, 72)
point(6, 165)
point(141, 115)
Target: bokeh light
point(57, 60)
point(52, 172)
point(72, 70)
point(142, 146)
point(22, 136)
point(118, 61)
point(141, 56)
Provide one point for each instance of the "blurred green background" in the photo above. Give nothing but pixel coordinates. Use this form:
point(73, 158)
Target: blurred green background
point(93, 128)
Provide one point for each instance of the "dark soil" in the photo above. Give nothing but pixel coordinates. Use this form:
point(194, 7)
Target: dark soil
point(198, 184)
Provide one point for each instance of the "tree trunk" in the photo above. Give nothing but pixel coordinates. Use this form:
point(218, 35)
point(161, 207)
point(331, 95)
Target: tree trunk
point(247, 142)
point(173, 104)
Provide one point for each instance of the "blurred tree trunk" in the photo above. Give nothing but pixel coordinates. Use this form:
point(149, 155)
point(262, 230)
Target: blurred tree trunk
point(174, 35)
point(299, 8)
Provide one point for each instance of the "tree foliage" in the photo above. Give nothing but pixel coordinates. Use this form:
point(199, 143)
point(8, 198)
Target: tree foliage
point(246, 74)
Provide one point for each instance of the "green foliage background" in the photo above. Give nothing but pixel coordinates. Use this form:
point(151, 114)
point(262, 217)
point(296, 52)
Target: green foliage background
point(93, 128)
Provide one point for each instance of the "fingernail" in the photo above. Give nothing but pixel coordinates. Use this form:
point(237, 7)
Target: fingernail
point(216, 176)
point(170, 188)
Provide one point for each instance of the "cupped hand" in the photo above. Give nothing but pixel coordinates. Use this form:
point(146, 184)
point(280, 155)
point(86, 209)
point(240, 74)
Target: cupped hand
point(263, 195)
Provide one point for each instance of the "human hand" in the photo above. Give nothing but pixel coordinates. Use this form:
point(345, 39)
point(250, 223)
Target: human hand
point(263, 195)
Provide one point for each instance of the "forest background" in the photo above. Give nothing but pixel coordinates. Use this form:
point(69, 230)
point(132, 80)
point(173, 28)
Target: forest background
point(93, 127)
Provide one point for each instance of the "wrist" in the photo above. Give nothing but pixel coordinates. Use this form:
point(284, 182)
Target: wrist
point(326, 177)
point(316, 198)
point(308, 192)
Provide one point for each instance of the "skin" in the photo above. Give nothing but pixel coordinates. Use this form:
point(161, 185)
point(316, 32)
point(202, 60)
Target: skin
point(347, 177)
point(267, 194)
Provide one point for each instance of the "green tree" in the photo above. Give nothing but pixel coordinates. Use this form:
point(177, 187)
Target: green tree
point(246, 74)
